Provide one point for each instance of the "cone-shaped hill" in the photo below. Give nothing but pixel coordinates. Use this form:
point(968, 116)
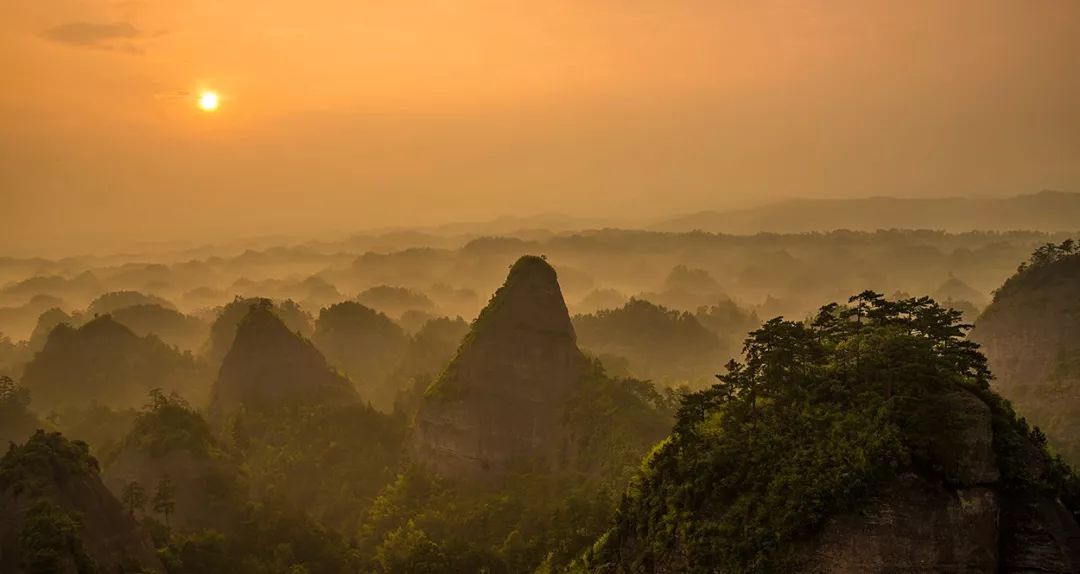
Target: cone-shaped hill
point(105, 362)
point(171, 441)
point(1031, 337)
point(501, 398)
point(223, 329)
point(57, 516)
point(270, 366)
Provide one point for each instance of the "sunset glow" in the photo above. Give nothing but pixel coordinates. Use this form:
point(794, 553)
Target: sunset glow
point(209, 101)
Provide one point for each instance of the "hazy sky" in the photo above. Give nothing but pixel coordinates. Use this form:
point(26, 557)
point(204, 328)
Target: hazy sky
point(347, 114)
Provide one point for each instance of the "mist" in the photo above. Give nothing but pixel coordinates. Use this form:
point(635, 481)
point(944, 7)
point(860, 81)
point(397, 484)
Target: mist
point(629, 113)
point(609, 287)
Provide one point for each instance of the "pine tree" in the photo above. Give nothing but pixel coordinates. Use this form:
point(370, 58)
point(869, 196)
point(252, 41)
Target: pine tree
point(133, 497)
point(164, 498)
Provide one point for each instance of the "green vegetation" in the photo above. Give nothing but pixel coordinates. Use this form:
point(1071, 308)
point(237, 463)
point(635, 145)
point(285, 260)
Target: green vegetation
point(181, 331)
point(668, 346)
point(115, 300)
point(16, 420)
point(269, 366)
point(438, 526)
point(1031, 333)
point(355, 448)
point(1040, 268)
point(133, 497)
point(164, 501)
point(294, 474)
point(537, 517)
point(817, 416)
point(169, 423)
point(522, 268)
point(395, 300)
point(105, 362)
point(46, 458)
point(366, 345)
point(270, 537)
point(49, 541)
point(223, 329)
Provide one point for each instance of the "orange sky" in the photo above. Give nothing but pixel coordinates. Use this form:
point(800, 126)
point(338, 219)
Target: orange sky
point(347, 114)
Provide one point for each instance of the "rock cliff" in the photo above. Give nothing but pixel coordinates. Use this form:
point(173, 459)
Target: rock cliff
point(965, 520)
point(1031, 337)
point(867, 440)
point(500, 400)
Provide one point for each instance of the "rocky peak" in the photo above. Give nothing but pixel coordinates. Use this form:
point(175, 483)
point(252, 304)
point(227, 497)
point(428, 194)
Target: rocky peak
point(268, 366)
point(499, 401)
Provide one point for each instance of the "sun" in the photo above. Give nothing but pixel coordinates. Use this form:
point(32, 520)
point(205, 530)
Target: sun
point(209, 100)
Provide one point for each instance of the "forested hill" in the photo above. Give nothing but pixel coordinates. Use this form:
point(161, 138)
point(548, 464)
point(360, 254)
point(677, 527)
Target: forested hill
point(1043, 211)
point(867, 440)
point(1031, 337)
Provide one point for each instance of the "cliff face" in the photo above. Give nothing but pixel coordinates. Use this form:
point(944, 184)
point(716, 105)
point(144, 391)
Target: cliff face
point(959, 518)
point(59, 517)
point(500, 400)
point(849, 447)
point(1031, 337)
point(915, 526)
point(269, 366)
point(968, 522)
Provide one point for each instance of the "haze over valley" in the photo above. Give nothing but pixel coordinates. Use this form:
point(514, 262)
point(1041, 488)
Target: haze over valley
point(573, 287)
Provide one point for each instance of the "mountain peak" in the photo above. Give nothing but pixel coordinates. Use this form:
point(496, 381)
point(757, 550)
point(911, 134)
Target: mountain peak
point(270, 365)
point(500, 398)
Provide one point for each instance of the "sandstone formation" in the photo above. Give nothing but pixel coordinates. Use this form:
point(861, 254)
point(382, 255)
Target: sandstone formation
point(500, 400)
point(1030, 335)
point(270, 366)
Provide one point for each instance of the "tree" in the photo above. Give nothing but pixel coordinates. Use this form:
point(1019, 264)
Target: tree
point(165, 498)
point(133, 497)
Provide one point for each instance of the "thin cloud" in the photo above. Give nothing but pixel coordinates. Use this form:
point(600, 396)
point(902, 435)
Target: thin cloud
point(113, 36)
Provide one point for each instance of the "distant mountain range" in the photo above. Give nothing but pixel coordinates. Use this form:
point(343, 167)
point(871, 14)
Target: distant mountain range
point(1043, 211)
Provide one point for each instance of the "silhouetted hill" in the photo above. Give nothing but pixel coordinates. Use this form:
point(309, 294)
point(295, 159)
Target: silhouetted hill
point(104, 362)
point(59, 517)
point(500, 399)
point(365, 344)
point(270, 366)
point(395, 300)
point(114, 300)
point(223, 329)
point(1043, 211)
point(1031, 336)
point(182, 331)
point(660, 344)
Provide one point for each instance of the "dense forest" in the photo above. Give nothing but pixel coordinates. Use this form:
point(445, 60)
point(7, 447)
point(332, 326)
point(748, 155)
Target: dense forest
point(184, 417)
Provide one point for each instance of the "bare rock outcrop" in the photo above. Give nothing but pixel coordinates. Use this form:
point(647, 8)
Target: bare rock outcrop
point(916, 525)
point(1030, 335)
point(964, 522)
point(499, 402)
